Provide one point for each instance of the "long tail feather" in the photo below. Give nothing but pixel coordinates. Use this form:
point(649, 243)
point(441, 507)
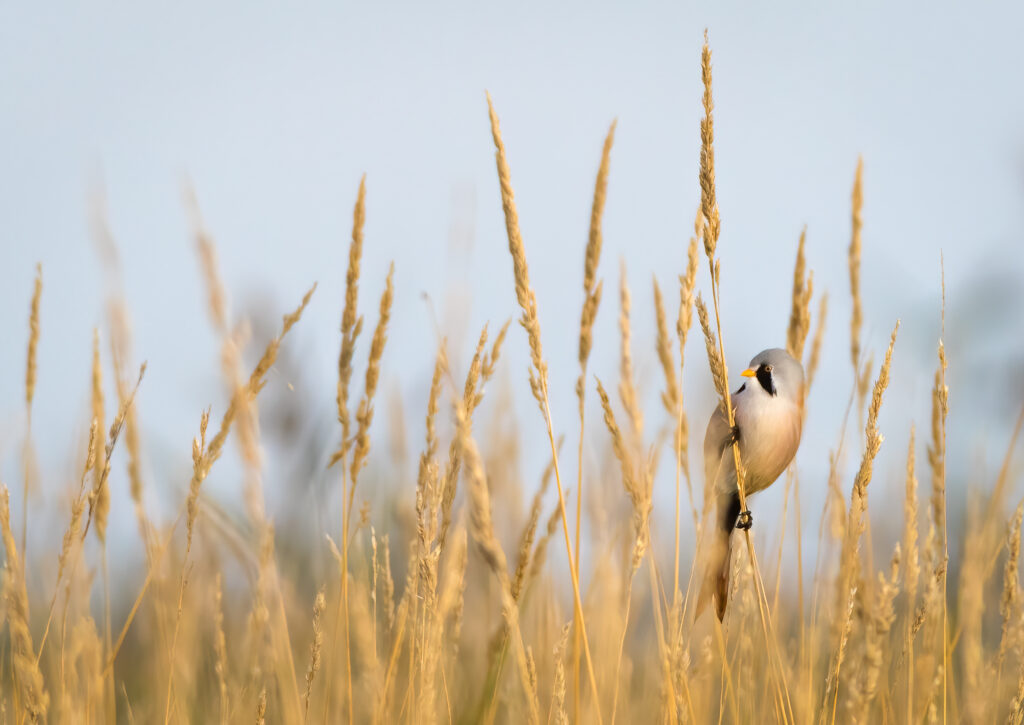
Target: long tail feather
point(715, 585)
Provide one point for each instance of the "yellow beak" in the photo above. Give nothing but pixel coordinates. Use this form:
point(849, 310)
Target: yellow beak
point(749, 373)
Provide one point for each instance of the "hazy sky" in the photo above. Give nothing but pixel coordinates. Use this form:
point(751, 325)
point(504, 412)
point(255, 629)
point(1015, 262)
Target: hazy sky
point(275, 113)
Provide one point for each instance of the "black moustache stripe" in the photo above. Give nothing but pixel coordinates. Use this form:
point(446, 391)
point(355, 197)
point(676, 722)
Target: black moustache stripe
point(765, 378)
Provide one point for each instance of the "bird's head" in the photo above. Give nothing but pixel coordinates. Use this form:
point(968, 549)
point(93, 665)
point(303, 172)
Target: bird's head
point(776, 373)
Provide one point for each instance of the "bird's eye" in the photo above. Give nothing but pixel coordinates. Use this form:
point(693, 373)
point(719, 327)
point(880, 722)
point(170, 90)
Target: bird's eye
point(768, 368)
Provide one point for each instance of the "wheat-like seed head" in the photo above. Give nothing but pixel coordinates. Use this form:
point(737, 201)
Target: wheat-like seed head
point(523, 558)
point(1008, 604)
point(319, 604)
point(635, 481)
point(524, 292)
point(220, 646)
point(708, 200)
point(470, 399)
point(937, 447)
point(101, 493)
point(364, 415)
point(819, 335)
point(849, 558)
point(800, 313)
point(687, 286)
point(911, 565)
point(31, 686)
point(351, 322)
point(627, 386)
point(491, 549)
point(558, 715)
point(714, 358)
point(670, 397)
point(594, 239)
point(854, 263)
point(879, 616)
point(33, 337)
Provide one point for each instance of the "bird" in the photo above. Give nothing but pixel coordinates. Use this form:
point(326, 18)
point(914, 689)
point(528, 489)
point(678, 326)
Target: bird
point(768, 410)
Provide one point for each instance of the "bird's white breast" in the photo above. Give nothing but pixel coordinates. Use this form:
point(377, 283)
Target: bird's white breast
point(769, 436)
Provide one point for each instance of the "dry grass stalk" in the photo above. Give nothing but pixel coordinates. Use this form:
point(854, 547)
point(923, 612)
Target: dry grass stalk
point(849, 560)
point(526, 539)
point(427, 485)
point(351, 323)
point(708, 199)
point(524, 292)
point(937, 447)
point(911, 564)
point(592, 257)
point(490, 548)
point(314, 648)
point(670, 397)
point(859, 495)
point(261, 707)
point(30, 391)
point(856, 320)
point(937, 462)
point(636, 481)
point(684, 320)
point(539, 556)
point(819, 334)
point(832, 682)
point(638, 487)
point(240, 409)
point(627, 386)
point(364, 415)
point(538, 374)
point(220, 647)
point(481, 368)
point(879, 618)
point(33, 698)
point(72, 535)
point(557, 713)
point(717, 357)
point(800, 314)
point(714, 357)
point(33, 338)
point(971, 611)
point(1009, 605)
point(351, 326)
point(120, 348)
point(100, 493)
point(591, 301)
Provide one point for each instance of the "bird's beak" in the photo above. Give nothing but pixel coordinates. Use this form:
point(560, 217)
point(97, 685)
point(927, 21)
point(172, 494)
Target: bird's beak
point(749, 373)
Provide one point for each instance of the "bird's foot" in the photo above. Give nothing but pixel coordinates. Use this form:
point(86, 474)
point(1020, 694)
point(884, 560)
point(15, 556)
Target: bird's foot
point(734, 435)
point(745, 521)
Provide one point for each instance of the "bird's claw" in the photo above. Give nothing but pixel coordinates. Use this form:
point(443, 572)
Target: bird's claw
point(734, 435)
point(745, 521)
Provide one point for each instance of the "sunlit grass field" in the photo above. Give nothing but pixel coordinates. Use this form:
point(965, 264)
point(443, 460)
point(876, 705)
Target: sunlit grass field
point(466, 594)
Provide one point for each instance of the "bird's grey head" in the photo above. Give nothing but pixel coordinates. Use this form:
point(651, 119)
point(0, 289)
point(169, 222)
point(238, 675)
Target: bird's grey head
point(776, 372)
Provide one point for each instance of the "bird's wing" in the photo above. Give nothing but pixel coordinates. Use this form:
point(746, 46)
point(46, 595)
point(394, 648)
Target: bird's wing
point(716, 442)
point(720, 474)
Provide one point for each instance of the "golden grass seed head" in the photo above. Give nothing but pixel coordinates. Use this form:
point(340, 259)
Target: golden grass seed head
point(33, 338)
point(592, 255)
point(856, 320)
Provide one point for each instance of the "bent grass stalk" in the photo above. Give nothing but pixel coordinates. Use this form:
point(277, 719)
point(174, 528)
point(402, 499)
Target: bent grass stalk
point(712, 229)
point(591, 301)
point(538, 374)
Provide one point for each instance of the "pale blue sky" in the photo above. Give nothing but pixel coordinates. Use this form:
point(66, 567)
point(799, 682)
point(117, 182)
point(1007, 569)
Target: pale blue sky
point(274, 113)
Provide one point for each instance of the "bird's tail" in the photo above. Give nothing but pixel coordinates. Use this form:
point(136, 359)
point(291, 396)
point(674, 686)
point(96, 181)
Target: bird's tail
point(715, 585)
